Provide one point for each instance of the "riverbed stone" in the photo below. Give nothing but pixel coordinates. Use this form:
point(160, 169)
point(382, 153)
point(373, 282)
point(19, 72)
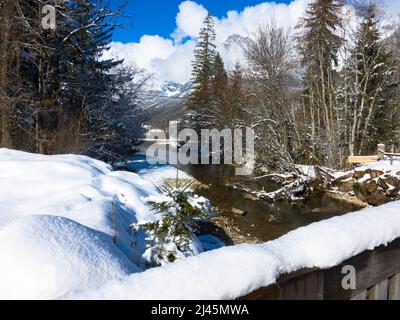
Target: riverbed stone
point(378, 197)
point(249, 196)
point(238, 211)
point(336, 182)
point(375, 173)
point(371, 192)
point(359, 173)
point(371, 185)
point(346, 185)
point(320, 211)
point(391, 184)
point(360, 191)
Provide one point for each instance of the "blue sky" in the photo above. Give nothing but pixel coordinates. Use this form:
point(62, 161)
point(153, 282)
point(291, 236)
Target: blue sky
point(158, 16)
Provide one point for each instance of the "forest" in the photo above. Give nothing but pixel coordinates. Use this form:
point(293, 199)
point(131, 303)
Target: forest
point(56, 93)
point(314, 95)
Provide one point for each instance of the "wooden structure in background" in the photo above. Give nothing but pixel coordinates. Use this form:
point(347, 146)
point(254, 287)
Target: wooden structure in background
point(377, 278)
point(362, 159)
point(381, 154)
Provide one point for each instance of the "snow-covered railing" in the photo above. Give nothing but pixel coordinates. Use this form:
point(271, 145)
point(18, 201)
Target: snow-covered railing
point(311, 257)
point(376, 277)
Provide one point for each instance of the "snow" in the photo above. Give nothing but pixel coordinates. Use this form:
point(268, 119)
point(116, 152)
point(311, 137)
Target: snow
point(231, 272)
point(307, 170)
point(58, 213)
point(65, 223)
point(383, 165)
point(156, 173)
point(59, 216)
point(48, 256)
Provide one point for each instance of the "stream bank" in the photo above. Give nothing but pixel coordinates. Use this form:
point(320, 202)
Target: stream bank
point(254, 209)
point(257, 220)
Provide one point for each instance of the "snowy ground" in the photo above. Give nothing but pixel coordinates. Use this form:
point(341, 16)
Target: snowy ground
point(156, 173)
point(231, 272)
point(384, 165)
point(58, 218)
point(57, 231)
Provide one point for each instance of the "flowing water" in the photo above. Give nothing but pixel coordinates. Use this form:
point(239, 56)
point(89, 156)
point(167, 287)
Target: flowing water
point(263, 219)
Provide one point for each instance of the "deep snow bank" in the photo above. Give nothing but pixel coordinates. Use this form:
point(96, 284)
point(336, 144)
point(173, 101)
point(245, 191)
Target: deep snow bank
point(231, 272)
point(155, 173)
point(48, 256)
point(58, 217)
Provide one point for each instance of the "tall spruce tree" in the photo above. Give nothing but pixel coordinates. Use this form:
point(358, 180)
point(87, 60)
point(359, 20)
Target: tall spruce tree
point(372, 86)
point(318, 43)
point(199, 106)
point(237, 104)
point(219, 84)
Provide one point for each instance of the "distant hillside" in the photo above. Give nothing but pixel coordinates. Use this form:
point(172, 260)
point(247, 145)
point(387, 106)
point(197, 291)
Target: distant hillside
point(166, 104)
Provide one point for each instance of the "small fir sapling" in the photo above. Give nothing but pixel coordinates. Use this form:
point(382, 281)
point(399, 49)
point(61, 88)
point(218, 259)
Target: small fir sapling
point(180, 211)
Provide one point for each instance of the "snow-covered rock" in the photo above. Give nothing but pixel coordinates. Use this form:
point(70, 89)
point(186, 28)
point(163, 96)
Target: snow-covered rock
point(374, 183)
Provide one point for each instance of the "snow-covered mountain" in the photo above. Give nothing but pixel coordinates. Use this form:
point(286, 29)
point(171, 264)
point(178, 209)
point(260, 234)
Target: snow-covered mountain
point(166, 103)
point(173, 89)
point(167, 89)
point(235, 40)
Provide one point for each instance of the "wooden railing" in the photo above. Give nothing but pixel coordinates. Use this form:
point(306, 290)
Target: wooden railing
point(381, 154)
point(377, 274)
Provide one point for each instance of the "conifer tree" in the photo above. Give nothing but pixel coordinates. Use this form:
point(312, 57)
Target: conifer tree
point(219, 84)
point(318, 43)
point(199, 105)
point(57, 94)
point(180, 213)
point(372, 86)
point(237, 104)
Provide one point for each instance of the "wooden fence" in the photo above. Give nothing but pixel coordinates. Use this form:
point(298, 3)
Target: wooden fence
point(377, 278)
point(381, 154)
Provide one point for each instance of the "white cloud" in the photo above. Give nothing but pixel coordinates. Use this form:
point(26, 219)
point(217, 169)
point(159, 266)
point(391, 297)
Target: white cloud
point(170, 58)
point(177, 67)
point(163, 58)
point(189, 20)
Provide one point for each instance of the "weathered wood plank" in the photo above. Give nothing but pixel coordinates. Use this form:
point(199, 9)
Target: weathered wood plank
point(372, 267)
point(305, 287)
point(271, 292)
point(361, 296)
point(394, 287)
point(379, 291)
point(362, 159)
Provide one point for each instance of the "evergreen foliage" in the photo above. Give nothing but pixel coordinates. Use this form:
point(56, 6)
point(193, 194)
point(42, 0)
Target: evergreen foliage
point(65, 97)
point(180, 211)
point(199, 108)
